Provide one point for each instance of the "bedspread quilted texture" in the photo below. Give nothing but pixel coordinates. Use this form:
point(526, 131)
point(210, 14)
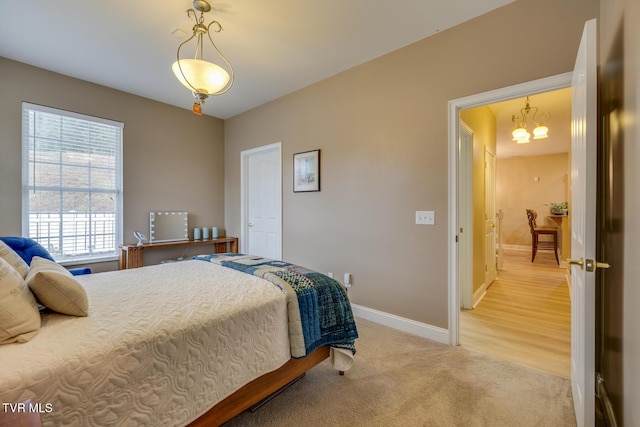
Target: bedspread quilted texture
point(319, 308)
point(161, 346)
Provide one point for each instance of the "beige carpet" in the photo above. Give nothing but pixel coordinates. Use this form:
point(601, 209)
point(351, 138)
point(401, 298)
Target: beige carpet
point(403, 380)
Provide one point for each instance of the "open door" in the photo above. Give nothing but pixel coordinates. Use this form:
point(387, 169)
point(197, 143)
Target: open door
point(583, 225)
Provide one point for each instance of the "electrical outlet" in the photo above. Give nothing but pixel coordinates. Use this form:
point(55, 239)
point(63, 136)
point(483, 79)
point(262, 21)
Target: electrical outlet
point(425, 217)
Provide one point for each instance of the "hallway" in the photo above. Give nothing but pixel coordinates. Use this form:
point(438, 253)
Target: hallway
point(525, 317)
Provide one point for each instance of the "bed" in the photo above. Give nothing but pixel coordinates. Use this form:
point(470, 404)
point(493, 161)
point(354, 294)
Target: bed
point(185, 343)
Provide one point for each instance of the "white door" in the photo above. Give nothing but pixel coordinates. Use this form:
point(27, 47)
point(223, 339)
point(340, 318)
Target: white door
point(583, 225)
point(490, 272)
point(262, 202)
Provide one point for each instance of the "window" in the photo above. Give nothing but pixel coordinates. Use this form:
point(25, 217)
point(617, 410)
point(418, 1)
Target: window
point(71, 183)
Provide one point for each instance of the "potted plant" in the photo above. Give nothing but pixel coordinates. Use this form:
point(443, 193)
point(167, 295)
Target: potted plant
point(559, 208)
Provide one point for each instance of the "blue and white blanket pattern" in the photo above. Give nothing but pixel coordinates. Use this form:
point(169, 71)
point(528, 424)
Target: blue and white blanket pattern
point(318, 306)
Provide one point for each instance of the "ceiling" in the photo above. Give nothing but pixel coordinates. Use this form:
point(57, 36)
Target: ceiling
point(557, 103)
point(275, 46)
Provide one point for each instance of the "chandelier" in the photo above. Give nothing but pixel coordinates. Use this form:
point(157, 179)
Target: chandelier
point(201, 77)
point(520, 133)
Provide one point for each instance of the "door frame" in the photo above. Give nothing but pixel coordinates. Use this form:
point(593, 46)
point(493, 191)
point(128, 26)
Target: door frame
point(547, 84)
point(490, 193)
point(465, 224)
point(244, 193)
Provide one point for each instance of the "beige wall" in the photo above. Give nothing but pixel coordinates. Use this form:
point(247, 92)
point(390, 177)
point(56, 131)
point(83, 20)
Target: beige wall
point(382, 129)
point(482, 122)
point(384, 153)
point(620, 38)
point(517, 190)
point(173, 159)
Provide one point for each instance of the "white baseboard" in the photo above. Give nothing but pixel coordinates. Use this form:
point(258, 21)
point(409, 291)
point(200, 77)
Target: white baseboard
point(479, 294)
point(402, 324)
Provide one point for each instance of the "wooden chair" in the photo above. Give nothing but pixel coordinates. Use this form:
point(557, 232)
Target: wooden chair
point(536, 231)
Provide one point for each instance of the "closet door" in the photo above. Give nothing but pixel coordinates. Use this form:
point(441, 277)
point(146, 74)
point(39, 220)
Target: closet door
point(262, 202)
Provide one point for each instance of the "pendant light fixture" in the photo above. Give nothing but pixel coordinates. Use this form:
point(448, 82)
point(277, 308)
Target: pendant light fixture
point(201, 77)
point(520, 133)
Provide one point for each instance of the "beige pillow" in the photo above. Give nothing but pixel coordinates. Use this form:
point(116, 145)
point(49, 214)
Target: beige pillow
point(56, 288)
point(13, 259)
point(19, 315)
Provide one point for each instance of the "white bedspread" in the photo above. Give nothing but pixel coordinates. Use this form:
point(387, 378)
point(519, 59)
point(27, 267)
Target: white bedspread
point(161, 345)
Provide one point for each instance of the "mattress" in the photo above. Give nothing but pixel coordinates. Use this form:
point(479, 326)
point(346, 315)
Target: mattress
point(161, 345)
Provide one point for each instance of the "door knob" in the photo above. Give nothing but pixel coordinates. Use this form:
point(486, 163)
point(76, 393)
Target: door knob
point(249, 225)
point(579, 262)
point(592, 265)
point(589, 264)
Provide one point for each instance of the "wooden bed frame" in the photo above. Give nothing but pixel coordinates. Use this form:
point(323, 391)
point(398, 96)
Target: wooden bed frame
point(259, 389)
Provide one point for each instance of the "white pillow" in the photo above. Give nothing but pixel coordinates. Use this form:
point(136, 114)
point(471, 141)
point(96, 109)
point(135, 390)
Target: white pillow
point(19, 315)
point(13, 259)
point(56, 288)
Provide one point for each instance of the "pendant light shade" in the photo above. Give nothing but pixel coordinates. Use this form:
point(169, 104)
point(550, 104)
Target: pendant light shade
point(541, 132)
point(203, 78)
point(520, 134)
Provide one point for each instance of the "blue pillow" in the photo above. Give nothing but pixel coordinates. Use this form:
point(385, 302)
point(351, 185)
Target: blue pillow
point(27, 248)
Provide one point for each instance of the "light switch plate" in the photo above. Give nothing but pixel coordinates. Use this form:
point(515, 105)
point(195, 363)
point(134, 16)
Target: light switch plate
point(425, 217)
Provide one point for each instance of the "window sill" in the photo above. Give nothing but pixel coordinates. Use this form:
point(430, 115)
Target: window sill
point(70, 262)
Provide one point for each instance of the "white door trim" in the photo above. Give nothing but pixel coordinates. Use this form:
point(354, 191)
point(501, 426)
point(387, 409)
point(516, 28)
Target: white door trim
point(465, 225)
point(244, 194)
point(490, 262)
point(547, 84)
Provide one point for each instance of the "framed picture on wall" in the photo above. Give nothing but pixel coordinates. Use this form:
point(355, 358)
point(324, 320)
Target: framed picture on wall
point(306, 171)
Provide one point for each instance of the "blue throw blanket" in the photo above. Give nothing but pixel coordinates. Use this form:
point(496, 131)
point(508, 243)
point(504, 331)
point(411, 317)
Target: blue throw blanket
point(318, 301)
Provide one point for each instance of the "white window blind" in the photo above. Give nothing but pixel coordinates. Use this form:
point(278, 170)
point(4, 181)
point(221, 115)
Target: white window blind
point(71, 183)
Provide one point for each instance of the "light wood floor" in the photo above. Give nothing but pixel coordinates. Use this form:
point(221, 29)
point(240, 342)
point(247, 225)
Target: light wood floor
point(525, 317)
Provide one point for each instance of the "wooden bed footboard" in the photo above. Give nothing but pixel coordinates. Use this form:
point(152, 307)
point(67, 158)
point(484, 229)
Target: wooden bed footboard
point(259, 389)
